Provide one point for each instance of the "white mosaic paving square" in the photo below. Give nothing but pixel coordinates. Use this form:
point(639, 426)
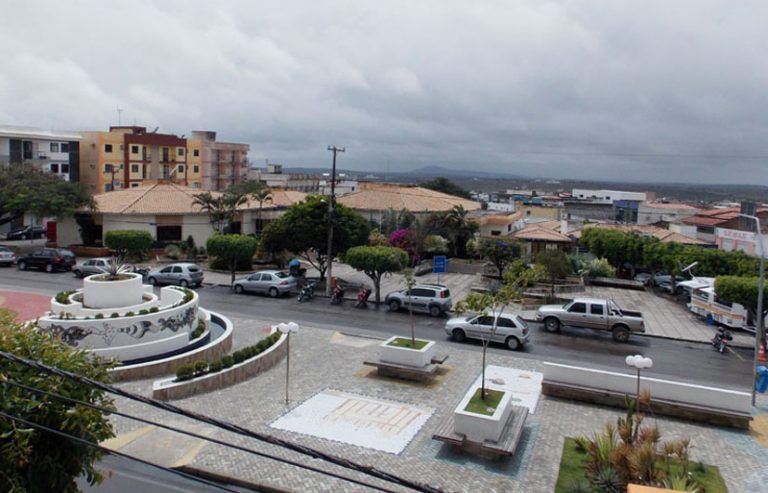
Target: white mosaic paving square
point(357, 420)
point(524, 385)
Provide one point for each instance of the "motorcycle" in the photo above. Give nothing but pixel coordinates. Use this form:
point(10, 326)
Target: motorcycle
point(362, 298)
point(307, 291)
point(337, 296)
point(721, 339)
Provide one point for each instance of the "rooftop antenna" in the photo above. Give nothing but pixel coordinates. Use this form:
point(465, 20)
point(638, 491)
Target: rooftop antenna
point(155, 130)
point(689, 267)
point(119, 117)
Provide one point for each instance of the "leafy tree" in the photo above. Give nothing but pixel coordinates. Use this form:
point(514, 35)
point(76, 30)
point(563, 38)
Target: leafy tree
point(247, 188)
point(232, 249)
point(435, 245)
point(128, 243)
point(556, 263)
point(499, 253)
point(376, 262)
point(26, 188)
point(220, 207)
point(375, 238)
point(303, 229)
point(455, 226)
point(35, 460)
point(517, 278)
point(442, 184)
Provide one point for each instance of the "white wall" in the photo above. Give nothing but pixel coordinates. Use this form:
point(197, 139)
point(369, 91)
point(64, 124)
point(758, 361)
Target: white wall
point(607, 196)
point(198, 226)
point(119, 222)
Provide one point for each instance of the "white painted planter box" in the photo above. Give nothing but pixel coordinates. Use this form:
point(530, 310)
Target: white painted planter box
point(112, 294)
point(480, 427)
point(406, 356)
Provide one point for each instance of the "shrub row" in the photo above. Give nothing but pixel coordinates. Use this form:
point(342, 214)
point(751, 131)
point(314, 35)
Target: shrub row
point(200, 368)
point(199, 330)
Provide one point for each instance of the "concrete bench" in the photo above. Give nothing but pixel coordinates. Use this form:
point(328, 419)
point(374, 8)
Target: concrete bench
point(505, 447)
point(406, 372)
point(722, 407)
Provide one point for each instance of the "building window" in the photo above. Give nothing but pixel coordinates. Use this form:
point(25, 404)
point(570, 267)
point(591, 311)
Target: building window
point(54, 168)
point(108, 168)
point(181, 168)
point(168, 234)
point(134, 149)
point(121, 147)
point(196, 152)
point(196, 169)
point(54, 147)
point(196, 185)
point(134, 168)
point(134, 185)
point(64, 147)
point(107, 147)
point(180, 151)
point(64, 168)
point(108, 187)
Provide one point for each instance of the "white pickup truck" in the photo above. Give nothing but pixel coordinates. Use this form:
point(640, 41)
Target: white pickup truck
point(592, 313)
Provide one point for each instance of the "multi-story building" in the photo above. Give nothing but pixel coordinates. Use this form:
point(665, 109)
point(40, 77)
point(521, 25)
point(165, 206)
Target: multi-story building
point(273, 177)
point(222, 163)
point(55, 152)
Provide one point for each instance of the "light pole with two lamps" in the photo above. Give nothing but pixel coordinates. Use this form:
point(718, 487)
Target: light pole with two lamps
point(287, 329)
point(760, 329)
point(638, 361)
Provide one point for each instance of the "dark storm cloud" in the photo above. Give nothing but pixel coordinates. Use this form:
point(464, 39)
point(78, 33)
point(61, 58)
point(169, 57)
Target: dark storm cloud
point(595, 89)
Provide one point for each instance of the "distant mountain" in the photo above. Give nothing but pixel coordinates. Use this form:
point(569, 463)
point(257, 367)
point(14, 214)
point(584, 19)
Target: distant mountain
point(425, 172)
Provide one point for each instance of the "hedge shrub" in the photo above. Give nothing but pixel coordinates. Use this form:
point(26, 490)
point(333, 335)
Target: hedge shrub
point(129, 242)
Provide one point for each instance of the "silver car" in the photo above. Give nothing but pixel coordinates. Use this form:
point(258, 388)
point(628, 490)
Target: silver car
point(271, 282)
point(91, 266)
point(7, 257)
point(184, 274)
point(511, 330)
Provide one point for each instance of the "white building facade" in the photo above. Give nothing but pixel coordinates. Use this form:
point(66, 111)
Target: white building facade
point(54, 152)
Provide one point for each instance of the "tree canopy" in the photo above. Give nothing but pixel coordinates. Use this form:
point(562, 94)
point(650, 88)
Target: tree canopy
point(741, 290)
point(499, 253)
point(232, 250)
point(26, 188)
point(221, 208)
point(375, 262)
point(35, 460)
point(556, 264)
point(128, 243)
point(303, 230)
point(442, 184)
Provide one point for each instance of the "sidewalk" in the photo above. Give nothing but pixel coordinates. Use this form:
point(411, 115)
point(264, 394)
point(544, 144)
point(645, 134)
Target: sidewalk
point(325, 361)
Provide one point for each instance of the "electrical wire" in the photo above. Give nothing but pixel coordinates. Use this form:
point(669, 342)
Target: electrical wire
point(315, 454)
point(108, 451)
point(289, 462)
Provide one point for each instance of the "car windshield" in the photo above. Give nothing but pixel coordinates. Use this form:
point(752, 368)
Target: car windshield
point(281, 275)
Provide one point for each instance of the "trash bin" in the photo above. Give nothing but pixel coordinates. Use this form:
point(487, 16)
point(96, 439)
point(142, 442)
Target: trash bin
point(762, 379)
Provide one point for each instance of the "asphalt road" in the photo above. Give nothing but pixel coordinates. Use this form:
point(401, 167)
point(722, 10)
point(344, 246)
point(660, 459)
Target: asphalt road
point(678, 360)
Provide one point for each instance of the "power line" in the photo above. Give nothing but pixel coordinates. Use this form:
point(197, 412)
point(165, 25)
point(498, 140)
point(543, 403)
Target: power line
point(191, 434)
point(119, 454)
point(315, 454)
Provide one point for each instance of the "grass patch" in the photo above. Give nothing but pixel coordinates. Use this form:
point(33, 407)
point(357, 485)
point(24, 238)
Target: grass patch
point(406, 343)
point(7, 316)
point(488, 406)
point(573, 462)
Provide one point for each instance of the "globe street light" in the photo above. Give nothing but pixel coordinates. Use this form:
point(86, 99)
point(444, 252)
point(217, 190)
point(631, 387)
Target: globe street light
point(287, 329)
point(638, 361)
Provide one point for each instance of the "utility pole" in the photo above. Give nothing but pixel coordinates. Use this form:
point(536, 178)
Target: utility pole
point(329, 251)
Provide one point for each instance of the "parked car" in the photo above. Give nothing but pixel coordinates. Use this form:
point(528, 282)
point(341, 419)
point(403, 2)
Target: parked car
point(91, 266)
point(25, 233)
point(434, 299)
point(7, 257)
point(49, 259)
point(644, 277)
point(511, 330)
point(592, 313)
point(183, 274)
point(273, 282)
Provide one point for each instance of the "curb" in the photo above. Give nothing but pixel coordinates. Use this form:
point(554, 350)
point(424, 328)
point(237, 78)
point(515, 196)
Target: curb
point(231, 480)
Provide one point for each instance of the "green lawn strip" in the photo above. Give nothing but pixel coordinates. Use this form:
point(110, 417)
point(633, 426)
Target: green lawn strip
point(406, 343)
point(573, 463)
point(488, 406)
point(7, 315)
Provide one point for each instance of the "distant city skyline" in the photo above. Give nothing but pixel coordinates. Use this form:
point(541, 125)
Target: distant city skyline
point(597, 90)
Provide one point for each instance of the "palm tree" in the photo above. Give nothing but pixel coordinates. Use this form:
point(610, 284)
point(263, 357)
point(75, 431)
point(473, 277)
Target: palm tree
point(261, 196)
point(459, 229)
point(221, 208)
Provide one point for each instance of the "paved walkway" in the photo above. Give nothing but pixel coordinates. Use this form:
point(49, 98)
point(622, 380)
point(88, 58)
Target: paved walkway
point(324, 360)
point(28, 306)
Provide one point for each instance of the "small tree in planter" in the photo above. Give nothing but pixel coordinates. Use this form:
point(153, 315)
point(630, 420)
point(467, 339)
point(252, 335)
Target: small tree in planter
point(517, 278)
point(128, 243)
point(232, 248)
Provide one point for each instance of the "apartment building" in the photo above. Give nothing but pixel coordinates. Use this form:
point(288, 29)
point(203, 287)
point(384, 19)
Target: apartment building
point(274, 177)
point(55, 152)
point(221, 163)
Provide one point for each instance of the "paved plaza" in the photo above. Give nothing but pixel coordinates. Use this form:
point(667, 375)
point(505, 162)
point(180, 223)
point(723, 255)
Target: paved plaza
point(324, 362)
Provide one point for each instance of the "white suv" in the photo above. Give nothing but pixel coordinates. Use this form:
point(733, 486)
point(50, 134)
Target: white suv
point(434, 299)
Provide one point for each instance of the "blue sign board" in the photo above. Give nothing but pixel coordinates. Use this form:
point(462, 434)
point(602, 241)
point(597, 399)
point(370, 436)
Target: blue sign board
point(438, 264)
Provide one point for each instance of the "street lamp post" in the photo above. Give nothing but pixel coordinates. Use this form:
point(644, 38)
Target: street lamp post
point(329, 251)
point(759, 330)
point(639, 362)
point(287, 329)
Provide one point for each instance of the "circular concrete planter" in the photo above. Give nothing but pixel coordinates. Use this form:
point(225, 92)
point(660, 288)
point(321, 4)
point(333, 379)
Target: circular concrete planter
point(112, 294)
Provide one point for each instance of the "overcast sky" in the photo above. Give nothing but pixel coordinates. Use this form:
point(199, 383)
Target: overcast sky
point(634, 90)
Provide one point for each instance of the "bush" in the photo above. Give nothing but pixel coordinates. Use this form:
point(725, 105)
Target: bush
point(129, 242)
point(201, 367)
point(130, 314)
point(199, 330)
point(62, 297)
point(154, 309)
point(143, 312)
point(238, 356)
point(221, 264)
point(185, 372)
point(216, 366)
point(114, 315)
point(227, 361)
point(173, 252)
point(99, 316)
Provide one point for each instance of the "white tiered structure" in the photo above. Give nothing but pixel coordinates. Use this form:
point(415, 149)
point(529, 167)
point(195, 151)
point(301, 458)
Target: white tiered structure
point(145, 326)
